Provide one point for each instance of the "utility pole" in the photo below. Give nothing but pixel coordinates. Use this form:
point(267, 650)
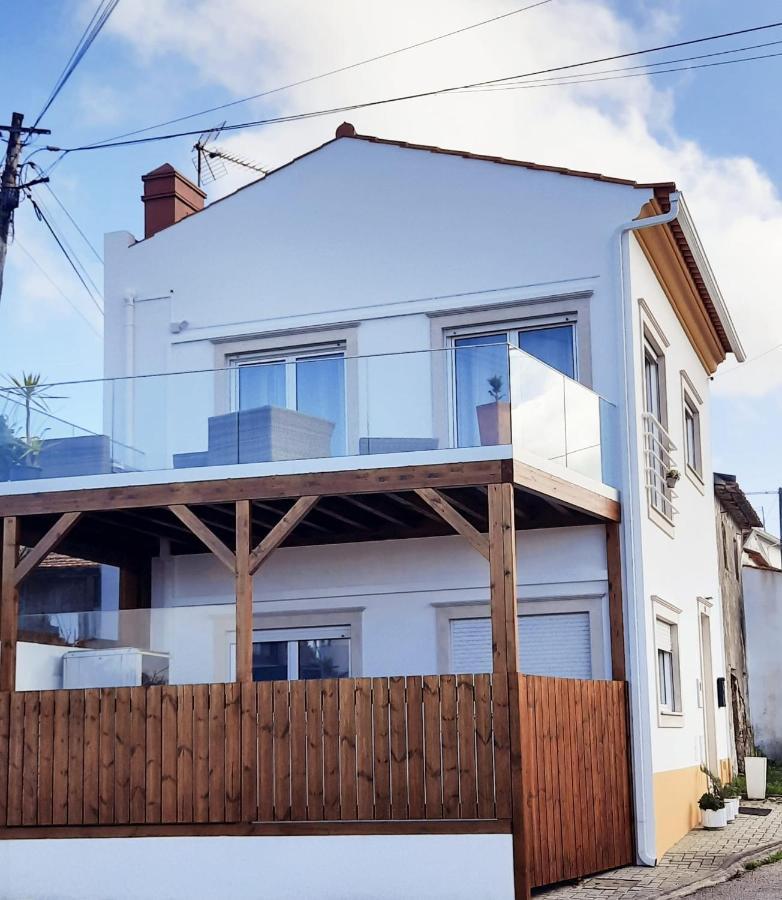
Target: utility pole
point(9, 183)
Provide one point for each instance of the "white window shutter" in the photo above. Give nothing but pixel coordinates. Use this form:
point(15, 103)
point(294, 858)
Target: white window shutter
point(663, 633)
point(558, 645)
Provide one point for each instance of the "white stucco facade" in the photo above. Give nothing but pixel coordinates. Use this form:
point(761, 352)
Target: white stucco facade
point(387, 253)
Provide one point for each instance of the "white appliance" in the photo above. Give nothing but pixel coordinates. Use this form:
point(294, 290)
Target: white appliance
point(114, 667)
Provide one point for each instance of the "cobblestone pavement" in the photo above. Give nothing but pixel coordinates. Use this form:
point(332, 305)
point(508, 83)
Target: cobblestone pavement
point(700, 857)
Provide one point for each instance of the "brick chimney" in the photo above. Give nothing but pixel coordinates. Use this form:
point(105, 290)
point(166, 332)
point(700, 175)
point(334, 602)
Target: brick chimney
point(168, 198)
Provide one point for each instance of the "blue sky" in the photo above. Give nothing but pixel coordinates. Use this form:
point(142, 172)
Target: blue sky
point(715, 131)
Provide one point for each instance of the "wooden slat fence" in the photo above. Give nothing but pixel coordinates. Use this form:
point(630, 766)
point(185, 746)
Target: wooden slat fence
point(353, 749)
point(575, 751)
point(349, 750)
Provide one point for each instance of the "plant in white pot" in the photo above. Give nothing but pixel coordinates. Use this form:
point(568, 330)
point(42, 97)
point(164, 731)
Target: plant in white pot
point(732, 797)
point(494, 417)
point(713, 813)
point(755, 770)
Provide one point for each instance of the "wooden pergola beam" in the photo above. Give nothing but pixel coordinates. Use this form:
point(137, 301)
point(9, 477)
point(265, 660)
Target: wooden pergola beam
point(36, 555)
point(455, 519)
point(280, 531)
point(205, 535)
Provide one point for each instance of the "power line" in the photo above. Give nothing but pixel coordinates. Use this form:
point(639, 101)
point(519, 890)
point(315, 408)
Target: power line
point(421, 94)
point(73, 222)
point(587, 80)
point(748, 361)
point(99, 18)
point(56, 286)
point(42, 217)
point(646, 65)
point(85, 271)
point(311, 78)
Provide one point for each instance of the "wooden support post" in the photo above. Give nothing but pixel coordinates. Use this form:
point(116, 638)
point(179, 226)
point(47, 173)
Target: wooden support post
point(244, 594)
point(9, 604)
point(502, 579)
point(135, 599)
point(615, 604)
point(504, 626)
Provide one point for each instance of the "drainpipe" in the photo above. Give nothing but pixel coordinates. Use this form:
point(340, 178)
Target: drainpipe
point(125, 385)
point(641, 706)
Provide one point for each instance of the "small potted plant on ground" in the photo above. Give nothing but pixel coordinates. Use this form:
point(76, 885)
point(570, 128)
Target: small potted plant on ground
point(732, 797)
point(712, 803)
point(755, 769)
point(494, 417)
point(713, 813)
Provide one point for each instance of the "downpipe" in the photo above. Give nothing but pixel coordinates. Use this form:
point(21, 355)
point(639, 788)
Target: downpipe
point(640, 707)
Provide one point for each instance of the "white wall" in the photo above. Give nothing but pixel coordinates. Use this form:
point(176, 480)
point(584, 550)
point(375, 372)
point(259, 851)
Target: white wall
point(391, 589)
point(763, 615)
point(357, 233)
point(680, 564)
point(39, 666)
point(438, 867)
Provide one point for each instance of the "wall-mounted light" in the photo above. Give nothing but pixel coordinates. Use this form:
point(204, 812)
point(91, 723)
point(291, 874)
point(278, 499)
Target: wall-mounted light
point(178, 327)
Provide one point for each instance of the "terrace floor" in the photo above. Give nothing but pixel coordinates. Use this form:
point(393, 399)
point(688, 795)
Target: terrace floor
point(701, 858)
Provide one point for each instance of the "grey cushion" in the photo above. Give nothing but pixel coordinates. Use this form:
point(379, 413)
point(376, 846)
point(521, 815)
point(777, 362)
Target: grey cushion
point(87, 454)
point(396, 444)
point(267, 433)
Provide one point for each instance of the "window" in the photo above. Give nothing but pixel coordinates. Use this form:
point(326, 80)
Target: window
point(481, 357)
point(557, 645)
point(692, 436)
point(290, 654)
point(657, 442)
point(309, 380)
point(668, 689)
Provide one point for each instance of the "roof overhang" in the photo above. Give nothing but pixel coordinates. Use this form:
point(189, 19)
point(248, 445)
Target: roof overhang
point(676, 255)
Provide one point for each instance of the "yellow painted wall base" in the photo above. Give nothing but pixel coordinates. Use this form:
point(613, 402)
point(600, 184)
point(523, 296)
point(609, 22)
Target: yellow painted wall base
point(676, 794)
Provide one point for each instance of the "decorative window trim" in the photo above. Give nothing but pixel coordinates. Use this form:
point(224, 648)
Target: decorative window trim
point(691, 401)
point(670, 615)
point(519, 314)
point(351, 617)
point(300, 341)
point(595, 604)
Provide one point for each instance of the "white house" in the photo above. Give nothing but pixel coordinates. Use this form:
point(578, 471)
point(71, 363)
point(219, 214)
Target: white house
point(429, 351)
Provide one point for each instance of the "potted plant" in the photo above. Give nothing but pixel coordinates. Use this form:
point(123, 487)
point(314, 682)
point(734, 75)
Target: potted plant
point(672, 476)
point(755, 770)
point(9, 448)
point(31, 393)
point(732, 798)
point(713, 814)
point(494, 417)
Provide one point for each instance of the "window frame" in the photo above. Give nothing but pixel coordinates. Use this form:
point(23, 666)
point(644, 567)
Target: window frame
point(289, 355)
point(668, 715)
point(653, 344)
point(692, 403)
point(293, 635)
point(585, 600)
point(507, 329)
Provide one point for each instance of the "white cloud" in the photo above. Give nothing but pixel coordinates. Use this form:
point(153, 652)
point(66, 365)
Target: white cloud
point(622, 127)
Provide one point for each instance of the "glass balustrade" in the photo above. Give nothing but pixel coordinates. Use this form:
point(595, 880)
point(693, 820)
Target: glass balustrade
point(458, 403)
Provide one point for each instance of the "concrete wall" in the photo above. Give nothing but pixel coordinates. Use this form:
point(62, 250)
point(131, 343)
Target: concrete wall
point(453, 867)
point(679, 567)
point(763, 611)
point(730, 539)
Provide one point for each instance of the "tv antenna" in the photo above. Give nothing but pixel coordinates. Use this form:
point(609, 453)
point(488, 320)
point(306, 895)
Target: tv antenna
point(210, 160)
